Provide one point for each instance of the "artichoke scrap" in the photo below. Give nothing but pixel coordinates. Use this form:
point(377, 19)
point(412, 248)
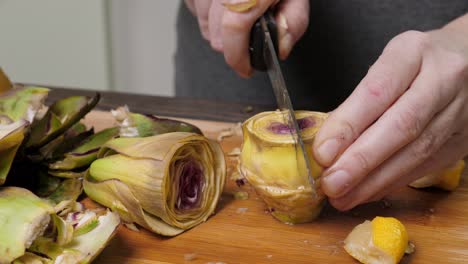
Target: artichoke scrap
point(269, 162)
point(166, 183)
point(33, 231)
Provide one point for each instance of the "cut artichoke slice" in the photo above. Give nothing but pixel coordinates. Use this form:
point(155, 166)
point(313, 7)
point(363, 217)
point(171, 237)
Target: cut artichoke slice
point(23, 217)
point(166, 183)
point(268, 161)
point(11, 137)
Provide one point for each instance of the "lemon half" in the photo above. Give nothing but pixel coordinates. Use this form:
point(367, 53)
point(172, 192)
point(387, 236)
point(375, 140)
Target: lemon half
point(380, 241)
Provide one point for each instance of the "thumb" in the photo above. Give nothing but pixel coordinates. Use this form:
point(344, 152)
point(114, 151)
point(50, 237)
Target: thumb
point(292, 17)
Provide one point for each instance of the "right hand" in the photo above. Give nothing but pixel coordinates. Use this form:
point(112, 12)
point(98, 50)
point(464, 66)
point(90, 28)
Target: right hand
point(229, 32)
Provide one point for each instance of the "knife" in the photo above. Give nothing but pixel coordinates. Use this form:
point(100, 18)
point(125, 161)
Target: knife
point(264, 57)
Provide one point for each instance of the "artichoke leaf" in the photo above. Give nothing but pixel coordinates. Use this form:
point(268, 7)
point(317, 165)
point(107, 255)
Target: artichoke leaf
point(68, 189)
point(64, 230)
point(67, 111)
point(31, 258)
point(87, 152)
point(46, 184)
point(22, 102)
point(23, 217)
point(71, 139)
point(139, 125)
point(11, 138)
point(67, 174)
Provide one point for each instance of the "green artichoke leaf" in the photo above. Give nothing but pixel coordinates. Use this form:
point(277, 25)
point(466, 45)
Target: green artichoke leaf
point(64, 230)
point(71, 139)
point(139, 125)
point(86, 153)
point(11, 138)
point(22, 102)
point(46, 246)
point(46, 184)
point(69, 189)
point(67, 174)
point(23, 218)
point(68, 111)
point(31, 258)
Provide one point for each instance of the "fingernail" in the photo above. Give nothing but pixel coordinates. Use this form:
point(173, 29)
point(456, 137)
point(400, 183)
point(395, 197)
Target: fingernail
point(336, 183)
point(285, 38)
point(328, 150)
point(285, 46)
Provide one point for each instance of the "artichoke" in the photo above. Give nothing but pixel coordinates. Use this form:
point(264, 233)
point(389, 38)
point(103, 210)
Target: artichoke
point(268, 161)
point(166, 183)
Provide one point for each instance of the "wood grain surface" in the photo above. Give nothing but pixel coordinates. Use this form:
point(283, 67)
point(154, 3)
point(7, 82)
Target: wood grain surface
point(242, 231)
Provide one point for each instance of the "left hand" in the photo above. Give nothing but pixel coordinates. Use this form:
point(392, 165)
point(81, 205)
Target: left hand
point(407, 117)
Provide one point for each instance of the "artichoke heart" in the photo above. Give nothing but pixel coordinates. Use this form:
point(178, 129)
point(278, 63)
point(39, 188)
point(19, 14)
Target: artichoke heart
point(166, 183)
point(269, 161)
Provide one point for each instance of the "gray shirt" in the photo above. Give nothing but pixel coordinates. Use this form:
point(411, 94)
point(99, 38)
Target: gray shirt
point(344, 38)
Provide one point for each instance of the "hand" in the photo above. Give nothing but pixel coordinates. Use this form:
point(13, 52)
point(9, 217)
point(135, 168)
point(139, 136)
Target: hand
point(407, 117)
point(229, 32)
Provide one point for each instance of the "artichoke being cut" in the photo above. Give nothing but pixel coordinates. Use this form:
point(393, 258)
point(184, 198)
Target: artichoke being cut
point(447, 179)
point(166, 183)
point(269, 162)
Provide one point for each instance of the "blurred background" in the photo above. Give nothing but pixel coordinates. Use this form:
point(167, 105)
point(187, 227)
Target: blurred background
point(114, 45)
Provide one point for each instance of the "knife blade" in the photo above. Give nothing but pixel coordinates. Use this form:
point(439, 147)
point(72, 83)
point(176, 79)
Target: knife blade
point(282, 99)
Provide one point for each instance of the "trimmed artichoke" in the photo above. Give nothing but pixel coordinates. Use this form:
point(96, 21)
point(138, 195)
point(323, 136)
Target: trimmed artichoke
point(268, 161)
point(167, 183)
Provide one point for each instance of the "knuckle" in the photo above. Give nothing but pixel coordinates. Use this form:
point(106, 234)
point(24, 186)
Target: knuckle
point(361, 161)
point(411, 38)
point(378, 87)
point(408, 124)
point(457, 68)
point(425, 146)
point(234, 22)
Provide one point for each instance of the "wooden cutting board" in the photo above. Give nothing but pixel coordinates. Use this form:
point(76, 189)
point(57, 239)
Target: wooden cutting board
point(242, 231)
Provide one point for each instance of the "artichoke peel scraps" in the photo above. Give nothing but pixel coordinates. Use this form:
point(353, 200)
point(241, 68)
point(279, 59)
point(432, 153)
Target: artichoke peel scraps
point(268, 161)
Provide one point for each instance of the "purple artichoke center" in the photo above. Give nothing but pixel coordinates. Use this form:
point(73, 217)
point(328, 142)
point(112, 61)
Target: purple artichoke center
point(280, 128)
point(190, 186)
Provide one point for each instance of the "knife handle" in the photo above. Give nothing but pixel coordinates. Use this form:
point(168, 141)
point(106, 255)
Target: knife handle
point(257, 41)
